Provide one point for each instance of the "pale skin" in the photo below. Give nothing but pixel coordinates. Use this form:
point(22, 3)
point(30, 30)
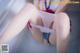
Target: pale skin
point(61, 26)
point(60, 38)
point(19, 23)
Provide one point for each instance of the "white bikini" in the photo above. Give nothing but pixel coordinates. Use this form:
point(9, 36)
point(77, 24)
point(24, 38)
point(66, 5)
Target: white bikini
point(47, 19)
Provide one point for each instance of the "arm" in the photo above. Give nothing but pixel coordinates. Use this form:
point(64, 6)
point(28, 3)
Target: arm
point(62, 30)
point(18, 23)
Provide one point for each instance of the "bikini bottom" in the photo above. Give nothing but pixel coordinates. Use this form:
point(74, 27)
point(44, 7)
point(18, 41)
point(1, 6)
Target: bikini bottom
point(46, 36)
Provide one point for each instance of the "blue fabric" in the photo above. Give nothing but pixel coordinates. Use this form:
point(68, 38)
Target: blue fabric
point(46, 35)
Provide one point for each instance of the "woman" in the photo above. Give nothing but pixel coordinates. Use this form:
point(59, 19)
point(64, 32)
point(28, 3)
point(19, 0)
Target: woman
point(58, 28)
point(52, 26)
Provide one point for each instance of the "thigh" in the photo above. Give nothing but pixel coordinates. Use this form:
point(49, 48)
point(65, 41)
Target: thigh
point(62, 26)
point(36, 33)
point(53, 36)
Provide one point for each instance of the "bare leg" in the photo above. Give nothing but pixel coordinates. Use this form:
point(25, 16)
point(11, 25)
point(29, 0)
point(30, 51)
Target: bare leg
point(53, 36)
point(61, 36)
point(19, 23)
point(62, 32)
point(36, 33)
